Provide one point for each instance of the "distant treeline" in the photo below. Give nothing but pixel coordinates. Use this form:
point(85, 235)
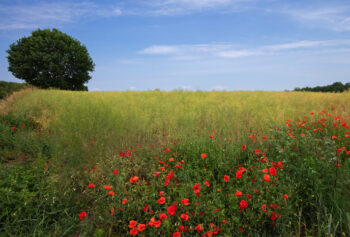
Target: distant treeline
point(7, 88)
point(335, 87)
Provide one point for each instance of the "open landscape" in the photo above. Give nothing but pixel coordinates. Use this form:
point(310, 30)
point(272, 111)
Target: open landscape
point(175, 163)
point(174, 118)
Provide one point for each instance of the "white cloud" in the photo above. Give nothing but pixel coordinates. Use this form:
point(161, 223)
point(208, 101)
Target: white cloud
point(200, 51)
point(160, 49)
point(333, 18)
point(25, 16)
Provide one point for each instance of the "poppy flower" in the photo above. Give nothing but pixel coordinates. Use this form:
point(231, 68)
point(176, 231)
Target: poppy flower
point(108, 187)
point(285, 196)
point(243, 204)
point(184, 216)
point(82, 215)
point(91, 185)
point(239, 174)
point(122, 154)
point(134, 179)
point(273, 216)
point(124, 201)
point(207, 183)
point(115, 171)
point(161, 193)
point(161, 200)
point(272, 171)
point(196, 189)
point(214, 131)
point(133, 232)
point(172, 209)
point(199, 227)
point(141, 227)
point(226, 178)
point(244, 147)
point(266, 178)
point(111, 193)
point(264, 208)
point(211, 137)
point(163, 216)
point(176, 234)
point(185, 202)
point(132, 224)
point(203, 155)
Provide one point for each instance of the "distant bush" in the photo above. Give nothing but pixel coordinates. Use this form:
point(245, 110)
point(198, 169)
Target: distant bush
point(335, 87)
point(7, 88)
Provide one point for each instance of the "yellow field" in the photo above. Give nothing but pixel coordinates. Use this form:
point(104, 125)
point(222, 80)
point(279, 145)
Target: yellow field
point(122, 119)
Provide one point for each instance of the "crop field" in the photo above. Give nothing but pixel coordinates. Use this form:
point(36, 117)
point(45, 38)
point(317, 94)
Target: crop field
point(175, 163)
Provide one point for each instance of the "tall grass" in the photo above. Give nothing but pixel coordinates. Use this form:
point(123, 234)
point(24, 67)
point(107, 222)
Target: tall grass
point(78, 137)
point(115, 120)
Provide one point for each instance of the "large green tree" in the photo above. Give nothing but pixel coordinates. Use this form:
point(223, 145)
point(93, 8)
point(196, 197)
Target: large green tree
point(50, 58)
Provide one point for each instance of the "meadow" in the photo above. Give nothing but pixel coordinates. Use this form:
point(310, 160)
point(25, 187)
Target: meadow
point(175, 163)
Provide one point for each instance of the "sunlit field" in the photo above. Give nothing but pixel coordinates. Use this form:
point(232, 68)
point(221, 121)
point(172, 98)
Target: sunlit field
point(175, 164)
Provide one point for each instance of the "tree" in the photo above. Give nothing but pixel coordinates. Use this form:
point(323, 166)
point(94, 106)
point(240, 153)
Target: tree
point(50, 58)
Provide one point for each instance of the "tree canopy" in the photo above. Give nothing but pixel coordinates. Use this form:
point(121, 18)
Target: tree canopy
point(50, 58)
point(335, 87)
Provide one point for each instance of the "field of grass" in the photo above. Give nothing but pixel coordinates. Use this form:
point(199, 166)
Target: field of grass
point(228, 153)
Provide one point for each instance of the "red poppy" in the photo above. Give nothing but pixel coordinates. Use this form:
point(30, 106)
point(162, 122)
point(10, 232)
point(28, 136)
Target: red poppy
point(176, 234)
point(264, 208)
point(226, 178)
point(108, 187)
point(133, 232)
point(134, 179)
point(161, 200)
point(238, 193)
point(244, 147)
point(121, 154)
point(199, 227)
point(172, 209)
point(239, 174)
point(111, 193)
point(82, 215)
point(266, 178)
point(184, 216)
point(196, 189)
point(132, 224)
point(207, 183)
point(141, 227)
point(243, 204)
point(272, 171)
point(115, 171)
point(91, 185)
point(214, 131)
point(124, 201)
point(273, 216)
point(285, 196)
point(163, 216)
point(203, 155)
point(185, 202)
point(211, 137)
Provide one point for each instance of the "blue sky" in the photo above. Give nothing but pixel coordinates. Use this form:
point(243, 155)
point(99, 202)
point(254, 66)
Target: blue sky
point(195, 44)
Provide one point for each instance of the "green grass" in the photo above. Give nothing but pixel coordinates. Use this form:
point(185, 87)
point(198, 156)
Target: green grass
point(7, 88)
point(71, 132)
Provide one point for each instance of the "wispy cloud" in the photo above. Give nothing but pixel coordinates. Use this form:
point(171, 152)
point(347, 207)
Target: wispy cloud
point(200, 51)
point(32, 16)
point(334, 18)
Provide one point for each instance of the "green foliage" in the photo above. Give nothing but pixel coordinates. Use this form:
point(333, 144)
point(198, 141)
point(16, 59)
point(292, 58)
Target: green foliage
point(30, 205)
point(82, 135)
point(7, 88)
point(335, 87)
point(50, 58)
